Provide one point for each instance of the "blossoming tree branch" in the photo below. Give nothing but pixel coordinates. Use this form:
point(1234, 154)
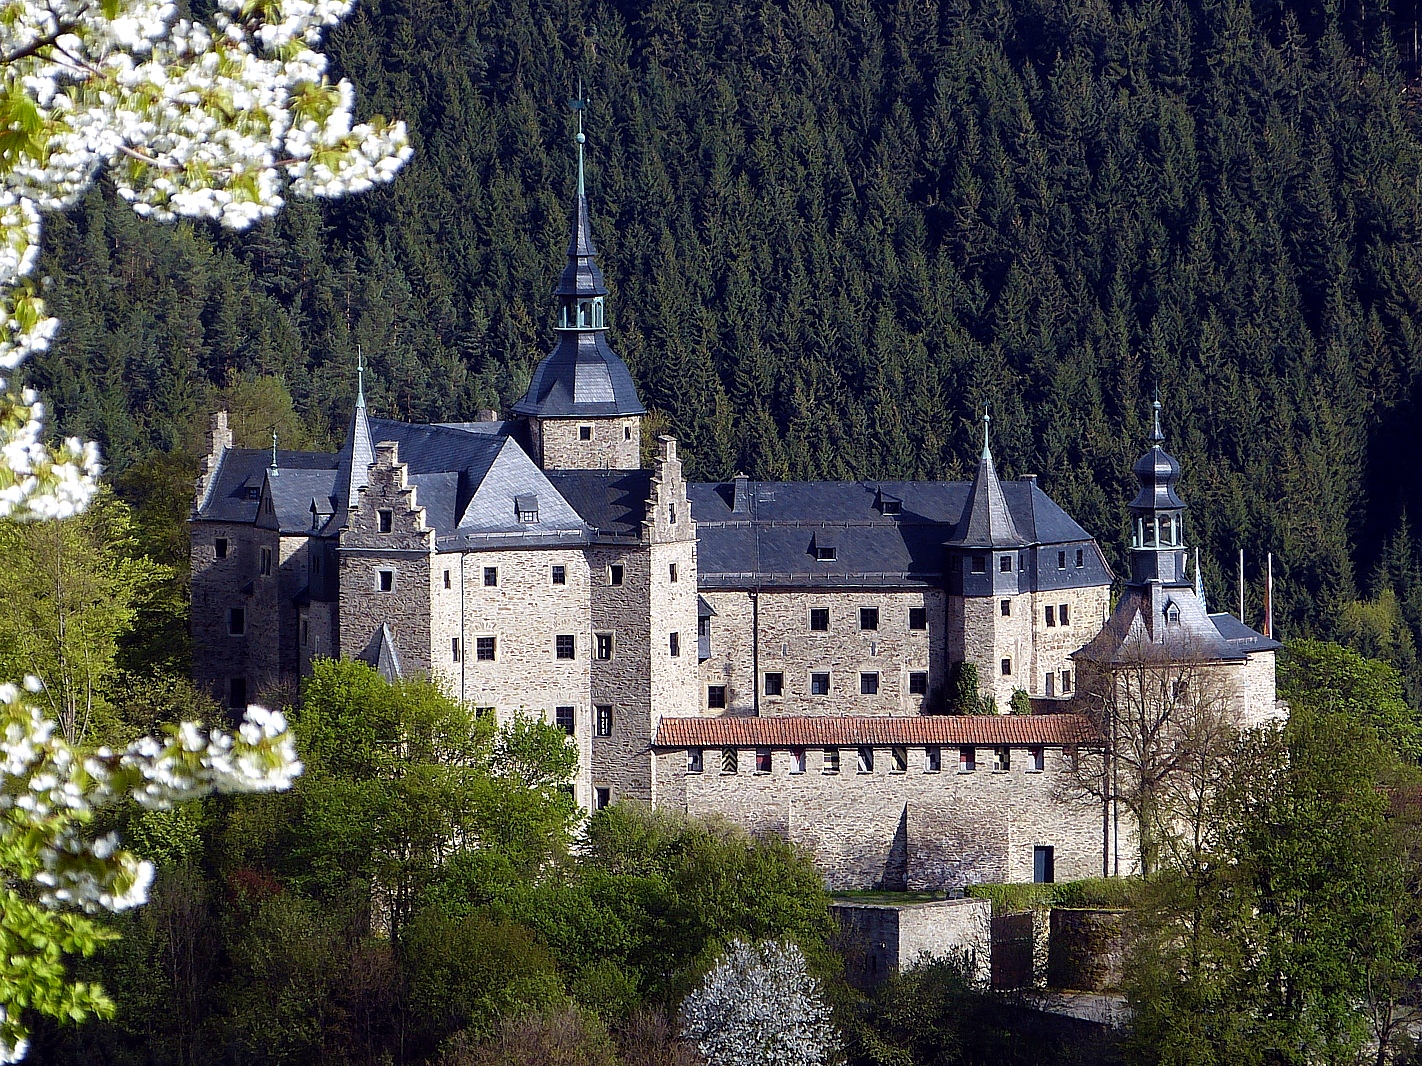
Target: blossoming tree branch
point(219, 120)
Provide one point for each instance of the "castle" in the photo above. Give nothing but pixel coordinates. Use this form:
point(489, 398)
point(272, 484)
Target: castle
point(775, 652)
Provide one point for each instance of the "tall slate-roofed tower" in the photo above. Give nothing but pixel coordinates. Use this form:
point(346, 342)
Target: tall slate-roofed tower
point(1157, 516)
point(582, 408)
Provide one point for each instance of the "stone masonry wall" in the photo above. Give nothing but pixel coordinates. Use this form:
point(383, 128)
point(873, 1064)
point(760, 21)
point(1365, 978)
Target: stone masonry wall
point(622, 762)
point(914, 829)
point(406, 551)
point(616, 443)
point(234, 581)
point(525, 613)
point(788, 646)
point(879, 940)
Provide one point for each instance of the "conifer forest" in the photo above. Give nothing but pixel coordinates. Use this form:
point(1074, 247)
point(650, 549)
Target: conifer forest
point(833, 232)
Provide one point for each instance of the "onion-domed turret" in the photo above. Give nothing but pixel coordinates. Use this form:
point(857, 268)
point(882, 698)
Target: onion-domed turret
point(1157, 516)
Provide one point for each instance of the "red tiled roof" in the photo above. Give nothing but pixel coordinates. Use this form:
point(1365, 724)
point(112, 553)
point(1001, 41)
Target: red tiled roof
point(990, 730)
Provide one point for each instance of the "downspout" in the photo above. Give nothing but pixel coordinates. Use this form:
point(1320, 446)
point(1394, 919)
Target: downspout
point(463, 643)
point(755, 649)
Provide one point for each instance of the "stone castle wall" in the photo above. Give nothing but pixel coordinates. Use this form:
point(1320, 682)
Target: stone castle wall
point(788, 646)
point(916, 829)
point(616, 443)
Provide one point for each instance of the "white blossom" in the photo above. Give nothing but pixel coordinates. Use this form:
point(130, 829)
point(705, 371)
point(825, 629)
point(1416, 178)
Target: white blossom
point(759, 1006)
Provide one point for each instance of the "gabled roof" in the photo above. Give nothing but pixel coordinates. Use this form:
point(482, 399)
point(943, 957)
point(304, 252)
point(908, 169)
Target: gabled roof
point(292, 491)
point(848, 731)
point(494, 506)
point(1158, 623)
point(380, 653)
point(241, 474)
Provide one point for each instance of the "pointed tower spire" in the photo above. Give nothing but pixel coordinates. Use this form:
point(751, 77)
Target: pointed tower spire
point(357, 453)
point(1199, 582)
point(986, 521)
point(360, 379)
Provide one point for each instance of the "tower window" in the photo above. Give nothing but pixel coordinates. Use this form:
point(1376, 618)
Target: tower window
point(819, 619)
point(236, 621)
point(387, 520)
point(671, 514)
point(868, 618)
point(674, 642)
point(868, 684)
point(491, 576)
point(604, 797)
point(1005, 564)
point(454, 649)
point(716, 697)
point(1051, 617)
point(775, 684)
point(1080, 558)
point(560, 575)
point(1004, 608)
point(446, 579)
point(266, 561)
point(305, 632)
point(563, 716)
point(387, 580)
point(1051, 684)
point(918, 683)
point(219, 547)
point(1066, 682)
point(1061, 560)
point(614, 574)
point(1006, 667)
point(918, 617)
point(604, 645)
point(671, 572)
point(566, 646)
point(819, 684)
point(626, 432)
point(585, 433)
point(484, 648)
point(604, 719)
point(1062, 614)
point(980, 564)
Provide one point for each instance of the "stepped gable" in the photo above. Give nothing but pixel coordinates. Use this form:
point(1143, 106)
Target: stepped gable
point(848, 731)
point(773, 535)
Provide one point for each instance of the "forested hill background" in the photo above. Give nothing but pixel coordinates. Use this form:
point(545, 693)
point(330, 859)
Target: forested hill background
point(832, 231)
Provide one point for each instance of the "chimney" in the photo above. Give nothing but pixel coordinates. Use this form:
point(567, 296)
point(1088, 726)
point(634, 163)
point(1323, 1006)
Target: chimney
point(741, 499)
point(487, 414)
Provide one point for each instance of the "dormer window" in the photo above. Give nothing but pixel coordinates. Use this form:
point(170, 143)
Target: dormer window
point(1172, 614)
point(888, 505)
point(527, 508)
point(825, 547)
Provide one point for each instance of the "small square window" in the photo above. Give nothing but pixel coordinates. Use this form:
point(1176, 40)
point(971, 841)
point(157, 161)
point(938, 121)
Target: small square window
point(237, 693)
point(491, 576)
point(831, 761)
point(1001, 760)
point(918, 683)
point(604, 797)
point(604, 646)
point(604, 719)
point(1037, 760)
point(730, 761)
point(446, 579)
point(932, 760)
point(560, 575)
point(918, 617)
point(775, 684)
point(868, 618)
point(454, 649)
point(868, 684)
point(674, 642)
point(1080, 558)
point(387, 580)
point(762, 760)
point(980, 564)
point(219, 547)
point(1006, 667)
point(819, 684)
point(1004, 608)
point(819, 619)
point(671, 572)
point(1061, 560)
point(614, 574)
point(716, 697)
point(1004, 563)
point(1062, 614)
point(899, 756)
point(387, 520)
point(1051, 617)
point(891, 507)
point(236, 621)
point(563, 716)
point(566, 646)
point(695, 760)
point(585, 433)
point(797, 760)
point(484, 649)
point(967, 760)
point(864, 761)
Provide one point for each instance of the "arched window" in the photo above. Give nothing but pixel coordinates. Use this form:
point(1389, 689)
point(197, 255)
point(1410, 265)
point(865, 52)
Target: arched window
point(597, 313)
point(584, 314)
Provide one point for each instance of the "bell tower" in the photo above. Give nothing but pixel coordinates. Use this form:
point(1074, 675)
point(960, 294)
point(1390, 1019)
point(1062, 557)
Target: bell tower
point(1157, 516)
point(582, 409)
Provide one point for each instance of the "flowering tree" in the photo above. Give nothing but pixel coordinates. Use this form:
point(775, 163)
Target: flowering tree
point(207, 120)
point(219, 120)
point(759, 1006)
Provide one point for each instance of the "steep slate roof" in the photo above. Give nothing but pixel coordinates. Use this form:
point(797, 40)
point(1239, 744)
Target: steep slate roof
point(773, 540)
point(291, 492)
point(987, 520)
point(614, 503)
point(988, 730)
point(241, 474)
point(582, 377)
